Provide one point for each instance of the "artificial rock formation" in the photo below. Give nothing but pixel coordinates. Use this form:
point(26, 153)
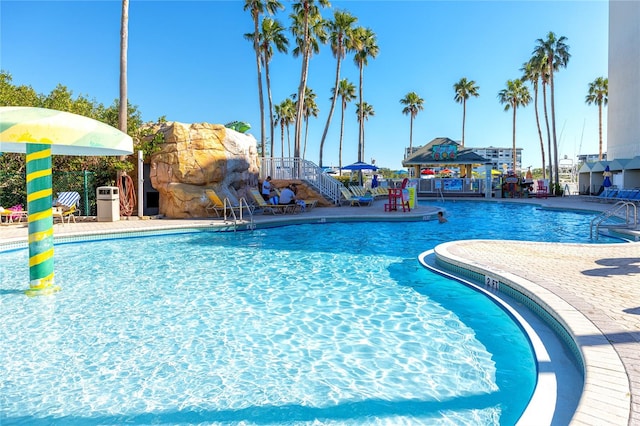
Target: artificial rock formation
point(201, 156)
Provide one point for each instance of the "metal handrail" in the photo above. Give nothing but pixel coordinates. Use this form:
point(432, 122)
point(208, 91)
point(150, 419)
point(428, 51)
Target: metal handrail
point(630, 217)
point(232, 211)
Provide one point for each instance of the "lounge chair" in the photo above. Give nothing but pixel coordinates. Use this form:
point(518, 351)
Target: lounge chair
point(13, 214)
point(224, 208)
point(356, 200)
point(65, 206)
point(268, 208)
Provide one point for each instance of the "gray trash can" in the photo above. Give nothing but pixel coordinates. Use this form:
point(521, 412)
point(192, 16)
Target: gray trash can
point(108, 203)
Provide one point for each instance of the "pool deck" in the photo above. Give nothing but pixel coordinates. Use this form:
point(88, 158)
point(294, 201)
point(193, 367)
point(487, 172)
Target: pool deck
point(593, 289)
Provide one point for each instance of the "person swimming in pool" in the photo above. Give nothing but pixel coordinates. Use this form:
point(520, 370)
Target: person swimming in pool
point(441, 217)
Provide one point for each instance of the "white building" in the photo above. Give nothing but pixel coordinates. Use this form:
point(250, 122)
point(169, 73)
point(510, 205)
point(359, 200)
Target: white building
point(623, 125)
point(500, 157)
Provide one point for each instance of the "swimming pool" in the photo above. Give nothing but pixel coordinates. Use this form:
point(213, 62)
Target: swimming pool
point(334, 323)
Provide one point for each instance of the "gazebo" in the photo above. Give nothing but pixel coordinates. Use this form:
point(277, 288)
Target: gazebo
point(441, 152)
point(444, 152)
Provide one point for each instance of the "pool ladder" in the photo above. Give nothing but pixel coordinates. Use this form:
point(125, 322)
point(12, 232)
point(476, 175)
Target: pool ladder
point(622, 210)
point(230, 212)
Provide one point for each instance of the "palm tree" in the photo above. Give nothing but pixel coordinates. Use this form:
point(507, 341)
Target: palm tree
point(413, 104)
point(465, 88)
point(272, 34)
point(310, 110)
point(257, 8)
point(309, 28)
point(533, 71)
point(347, 93)
point(599, 95)
point(556, 51)
point(365, 46)
point(340, 36)
point(515, 95)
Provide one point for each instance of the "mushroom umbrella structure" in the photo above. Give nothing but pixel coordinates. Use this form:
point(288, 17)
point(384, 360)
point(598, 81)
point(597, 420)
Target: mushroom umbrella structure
point(39, 133)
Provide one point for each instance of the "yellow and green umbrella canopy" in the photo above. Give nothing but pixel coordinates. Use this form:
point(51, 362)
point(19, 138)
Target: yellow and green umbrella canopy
point(39, 133)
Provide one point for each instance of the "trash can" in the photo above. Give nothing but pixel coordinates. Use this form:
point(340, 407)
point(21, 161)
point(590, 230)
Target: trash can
point(108, 203)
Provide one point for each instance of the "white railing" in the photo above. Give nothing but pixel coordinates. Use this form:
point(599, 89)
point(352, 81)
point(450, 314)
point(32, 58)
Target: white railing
point(289, 168)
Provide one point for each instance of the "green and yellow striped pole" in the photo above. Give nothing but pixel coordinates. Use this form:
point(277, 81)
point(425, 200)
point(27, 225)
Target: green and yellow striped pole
point(39, 200)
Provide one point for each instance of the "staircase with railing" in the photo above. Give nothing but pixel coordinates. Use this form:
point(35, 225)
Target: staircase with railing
point(304, 170)
point(623, 214)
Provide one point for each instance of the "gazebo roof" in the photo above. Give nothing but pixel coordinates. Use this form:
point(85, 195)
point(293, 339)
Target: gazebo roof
point(425, 155)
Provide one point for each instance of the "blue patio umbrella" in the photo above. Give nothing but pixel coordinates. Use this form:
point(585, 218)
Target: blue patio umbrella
point(359, 166)
point(607, 178)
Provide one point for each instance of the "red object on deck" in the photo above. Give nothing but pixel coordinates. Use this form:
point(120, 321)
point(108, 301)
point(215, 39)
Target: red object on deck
point(396, 200)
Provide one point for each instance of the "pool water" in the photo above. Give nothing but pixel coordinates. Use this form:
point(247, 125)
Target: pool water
point(305, 324)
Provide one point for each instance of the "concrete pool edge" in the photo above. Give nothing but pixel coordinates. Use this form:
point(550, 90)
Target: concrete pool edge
point(606, 395)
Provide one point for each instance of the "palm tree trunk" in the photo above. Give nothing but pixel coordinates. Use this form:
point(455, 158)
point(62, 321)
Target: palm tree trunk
point(303, 82)
point(600, 130)
point(361, 118)
point(410, 134)
point(514, 152)
point(271, 123)
point(282, 140)
point(535, 106)
point(124, 40)
point(333, 106)
point(341, 134)
point(546, 119)
point(306, 134)
point(256, 49)
point(556, 176)
point(464, 117)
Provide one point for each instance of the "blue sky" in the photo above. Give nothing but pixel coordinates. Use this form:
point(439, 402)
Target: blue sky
point(189, 61)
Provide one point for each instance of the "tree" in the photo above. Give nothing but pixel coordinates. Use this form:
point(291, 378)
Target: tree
point(533, 71)
point(272, 34)
point(412, 105)
point(11, 95)
point(515, 95)
point(599, 95)
point(556, 51)
point(258, 8)
point(347, 93)
point(465, 88)
point(309, 29)
point(365, 46)
point(340, 30)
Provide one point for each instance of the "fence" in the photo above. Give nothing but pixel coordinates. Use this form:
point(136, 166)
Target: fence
point(13, 188)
